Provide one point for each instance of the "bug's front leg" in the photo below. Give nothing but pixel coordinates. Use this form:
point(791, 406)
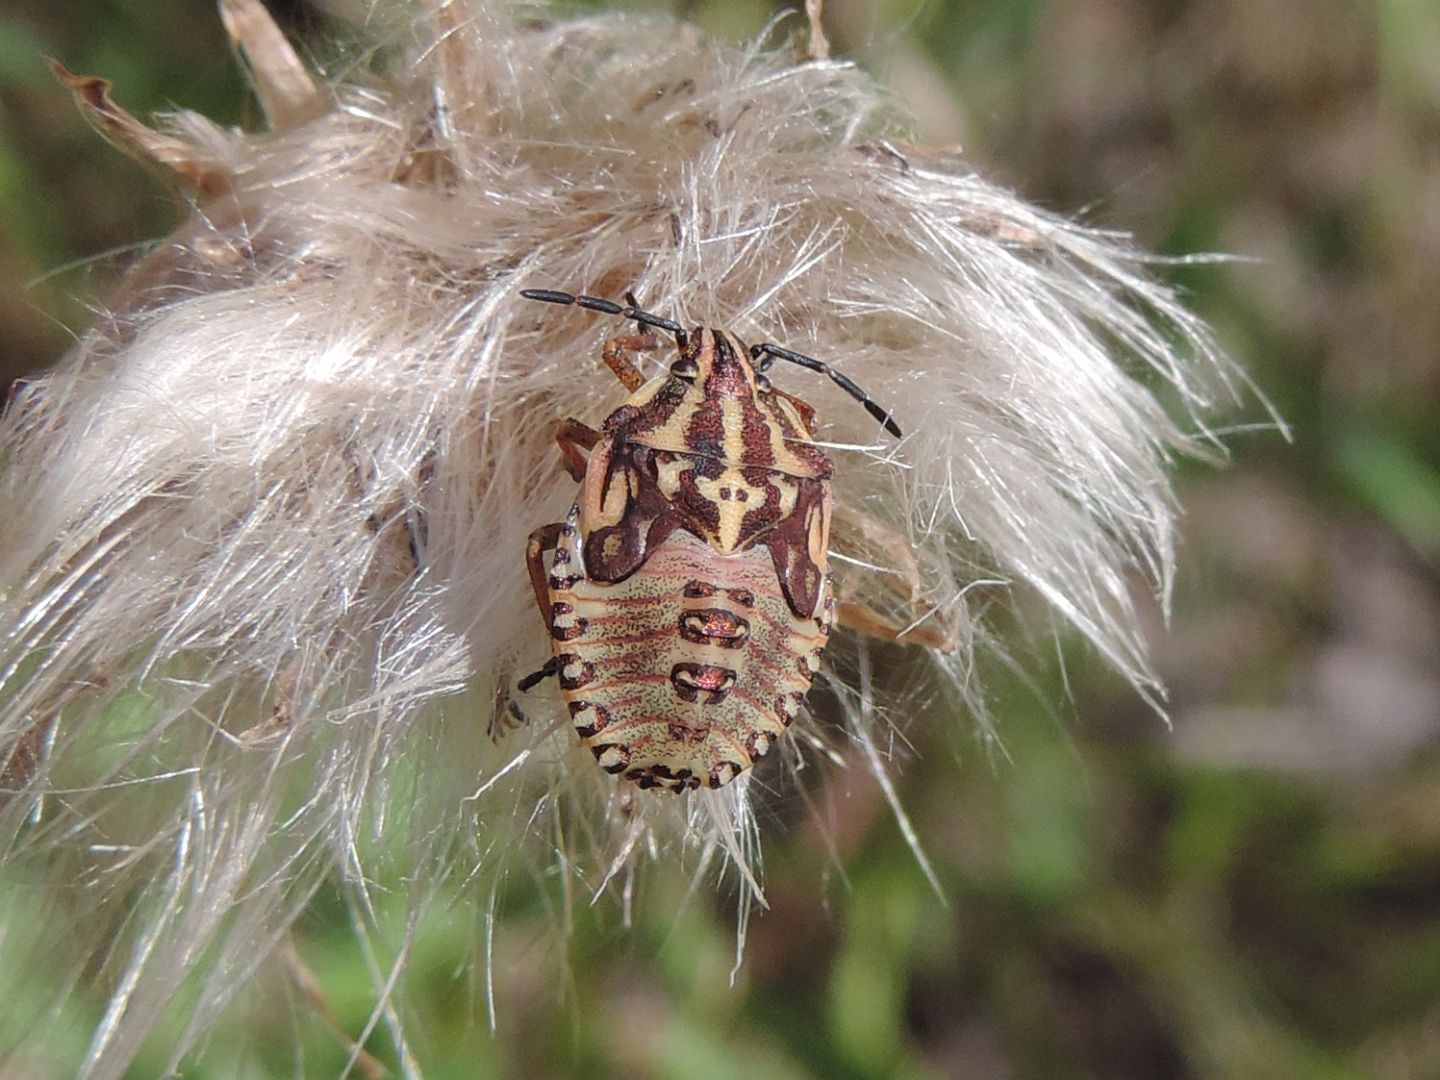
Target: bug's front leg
point(575, 439)
point(617, 352)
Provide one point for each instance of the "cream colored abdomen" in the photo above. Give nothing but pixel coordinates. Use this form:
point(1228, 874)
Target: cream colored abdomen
point(686, 672)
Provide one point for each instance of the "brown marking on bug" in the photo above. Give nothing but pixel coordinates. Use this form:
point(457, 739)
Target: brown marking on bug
point(787, 707)
point(722, 772)
point(757, 744)
point(714, 626)
point(564, 624)
point(575, 672)
point(799, 546)
point(589, 718)
point(688, 733)
point(694, 491)
point(691, 680)
point(613, 758)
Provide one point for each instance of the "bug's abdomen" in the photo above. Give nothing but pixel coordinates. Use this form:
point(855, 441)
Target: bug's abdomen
point(685, 673)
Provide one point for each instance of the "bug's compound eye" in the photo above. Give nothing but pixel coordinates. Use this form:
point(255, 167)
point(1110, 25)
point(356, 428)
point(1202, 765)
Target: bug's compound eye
point(685, 369)
point(762, 383)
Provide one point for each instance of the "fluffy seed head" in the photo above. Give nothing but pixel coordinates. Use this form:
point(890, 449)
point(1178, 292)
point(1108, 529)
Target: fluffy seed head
point(262, 530)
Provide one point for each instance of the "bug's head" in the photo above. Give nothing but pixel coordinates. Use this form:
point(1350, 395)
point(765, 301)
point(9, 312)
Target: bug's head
point(714, 363)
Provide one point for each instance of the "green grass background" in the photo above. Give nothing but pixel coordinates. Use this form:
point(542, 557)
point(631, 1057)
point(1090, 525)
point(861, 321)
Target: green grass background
point(1254, 894)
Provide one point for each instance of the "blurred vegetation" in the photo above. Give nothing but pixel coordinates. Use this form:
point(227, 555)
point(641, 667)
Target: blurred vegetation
point(1255, 893)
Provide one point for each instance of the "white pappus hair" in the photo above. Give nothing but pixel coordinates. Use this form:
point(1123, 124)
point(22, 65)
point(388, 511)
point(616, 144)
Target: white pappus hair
point(262, 530)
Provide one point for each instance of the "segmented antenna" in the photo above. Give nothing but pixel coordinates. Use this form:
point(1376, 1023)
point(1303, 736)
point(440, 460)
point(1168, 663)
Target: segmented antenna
point(839, 378)
point(609, 307)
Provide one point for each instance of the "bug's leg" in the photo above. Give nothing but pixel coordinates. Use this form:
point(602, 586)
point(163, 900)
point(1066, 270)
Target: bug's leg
point(550, 668)
point(368, 1066)
point(21, 759)
point(281, 712)
point(504, 714)
point(22, 756)
point(864, 619)
point(616, 354)
point(862, 537)
point(542, 540)
point(417, 526)
point(401, 517)
point(575, 440)
point(505, 718)
point(507, 715)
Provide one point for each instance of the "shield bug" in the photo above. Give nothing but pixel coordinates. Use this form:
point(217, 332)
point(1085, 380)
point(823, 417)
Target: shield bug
point(687, 593)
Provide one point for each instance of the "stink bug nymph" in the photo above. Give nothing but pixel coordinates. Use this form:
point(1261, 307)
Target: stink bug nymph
point(688, 594)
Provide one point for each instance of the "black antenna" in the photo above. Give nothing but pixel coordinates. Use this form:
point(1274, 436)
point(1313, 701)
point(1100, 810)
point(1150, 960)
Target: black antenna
point(609, 307)
point(840, 379)
point(758, 353)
